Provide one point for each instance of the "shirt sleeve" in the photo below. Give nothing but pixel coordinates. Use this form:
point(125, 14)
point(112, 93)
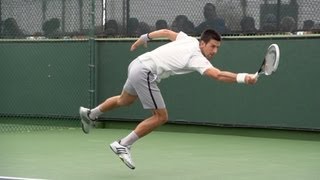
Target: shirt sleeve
point(181, 35)
point(200, 64)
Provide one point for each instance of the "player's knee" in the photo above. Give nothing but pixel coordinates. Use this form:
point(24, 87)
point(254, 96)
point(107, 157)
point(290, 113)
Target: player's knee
point(162, 116)
point(162, 119)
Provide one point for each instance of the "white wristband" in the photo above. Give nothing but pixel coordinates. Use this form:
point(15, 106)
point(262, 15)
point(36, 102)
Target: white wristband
point(241, 77)
point(145, 37)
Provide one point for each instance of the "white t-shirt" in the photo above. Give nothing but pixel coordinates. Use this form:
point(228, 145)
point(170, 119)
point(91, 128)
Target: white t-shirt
point(177, 57)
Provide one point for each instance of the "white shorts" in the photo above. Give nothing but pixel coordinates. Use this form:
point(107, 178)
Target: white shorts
point(141, 82)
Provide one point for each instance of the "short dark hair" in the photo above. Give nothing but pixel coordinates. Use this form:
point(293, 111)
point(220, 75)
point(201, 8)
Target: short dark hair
point(209, 34)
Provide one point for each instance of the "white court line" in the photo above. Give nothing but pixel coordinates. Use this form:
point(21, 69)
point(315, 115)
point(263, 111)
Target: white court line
point(17, 178)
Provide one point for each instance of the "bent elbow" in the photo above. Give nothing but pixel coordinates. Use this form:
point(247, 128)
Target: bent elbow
point(214, 73)
point(169, 34)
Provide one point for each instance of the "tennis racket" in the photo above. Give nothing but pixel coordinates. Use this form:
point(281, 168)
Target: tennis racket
point(270, 62)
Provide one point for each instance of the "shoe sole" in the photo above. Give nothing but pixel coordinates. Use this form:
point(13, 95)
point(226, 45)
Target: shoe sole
point(83, 129)
point(115, 152)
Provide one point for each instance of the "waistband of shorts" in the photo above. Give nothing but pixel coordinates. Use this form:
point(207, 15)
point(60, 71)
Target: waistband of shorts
point(147, 60)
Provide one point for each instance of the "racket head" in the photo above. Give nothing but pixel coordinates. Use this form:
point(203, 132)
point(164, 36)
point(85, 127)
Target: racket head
point(272, 58)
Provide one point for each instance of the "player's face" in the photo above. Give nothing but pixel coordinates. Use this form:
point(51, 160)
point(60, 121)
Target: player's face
point(209, 49)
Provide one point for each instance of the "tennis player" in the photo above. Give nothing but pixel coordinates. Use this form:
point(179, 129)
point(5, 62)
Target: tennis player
point(184, 54)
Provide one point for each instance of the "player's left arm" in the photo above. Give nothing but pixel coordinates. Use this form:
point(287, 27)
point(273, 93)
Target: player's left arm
point(230, 77)
point(162, 33)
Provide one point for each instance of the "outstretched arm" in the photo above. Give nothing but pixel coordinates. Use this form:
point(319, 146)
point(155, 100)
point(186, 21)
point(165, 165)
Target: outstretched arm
point(226, 76)
point(162, 33)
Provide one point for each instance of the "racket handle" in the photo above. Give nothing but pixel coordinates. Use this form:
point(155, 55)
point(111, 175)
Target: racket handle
point(256, 75)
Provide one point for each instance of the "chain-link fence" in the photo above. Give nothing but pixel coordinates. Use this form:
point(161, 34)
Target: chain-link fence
point(48, 18)
point(227, 17)
point(47, 62)
point(125, 18)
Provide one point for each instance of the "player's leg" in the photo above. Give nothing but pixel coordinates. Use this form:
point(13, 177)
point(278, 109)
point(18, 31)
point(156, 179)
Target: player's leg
point(122, 147)
point(125, 99)
point(160, 116)
point(87, 115)
point(150, 96)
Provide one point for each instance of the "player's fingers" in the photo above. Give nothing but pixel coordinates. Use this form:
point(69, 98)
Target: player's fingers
point(133, 47)
point(253, 79)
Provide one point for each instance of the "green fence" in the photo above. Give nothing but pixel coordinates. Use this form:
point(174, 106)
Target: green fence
point(52, 79)
point(44, 78)
point(54, 57)
point(43, 82)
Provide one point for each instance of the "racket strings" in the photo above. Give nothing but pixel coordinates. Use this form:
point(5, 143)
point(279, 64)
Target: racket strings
point(270, 64)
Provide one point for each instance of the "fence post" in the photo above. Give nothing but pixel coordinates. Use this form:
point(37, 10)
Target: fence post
point(92, 64)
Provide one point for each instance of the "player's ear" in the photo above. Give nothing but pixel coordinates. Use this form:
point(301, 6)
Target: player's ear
point(202, 43)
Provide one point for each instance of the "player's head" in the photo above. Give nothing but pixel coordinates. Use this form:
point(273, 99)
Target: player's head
point(209, 43)
point(209, 34)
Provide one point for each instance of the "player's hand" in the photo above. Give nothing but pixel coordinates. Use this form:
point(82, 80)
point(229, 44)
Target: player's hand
point(138, 43)
point(141, 41)
point(251, 79)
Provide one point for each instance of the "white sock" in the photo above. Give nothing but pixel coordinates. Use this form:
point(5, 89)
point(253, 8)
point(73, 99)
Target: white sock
point(95, 113)
point(130, 139)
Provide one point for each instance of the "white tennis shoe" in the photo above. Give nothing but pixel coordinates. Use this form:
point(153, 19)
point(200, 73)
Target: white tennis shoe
point(123, 152)
point(86, 122)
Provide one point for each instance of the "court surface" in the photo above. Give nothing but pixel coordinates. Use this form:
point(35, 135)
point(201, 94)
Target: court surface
point(179, 152)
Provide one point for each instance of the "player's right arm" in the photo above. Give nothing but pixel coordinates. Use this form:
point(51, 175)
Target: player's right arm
point(226, 76)
point(162, 33)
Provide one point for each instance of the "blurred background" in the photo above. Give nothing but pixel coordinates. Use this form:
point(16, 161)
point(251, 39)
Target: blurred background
point(128, 18)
